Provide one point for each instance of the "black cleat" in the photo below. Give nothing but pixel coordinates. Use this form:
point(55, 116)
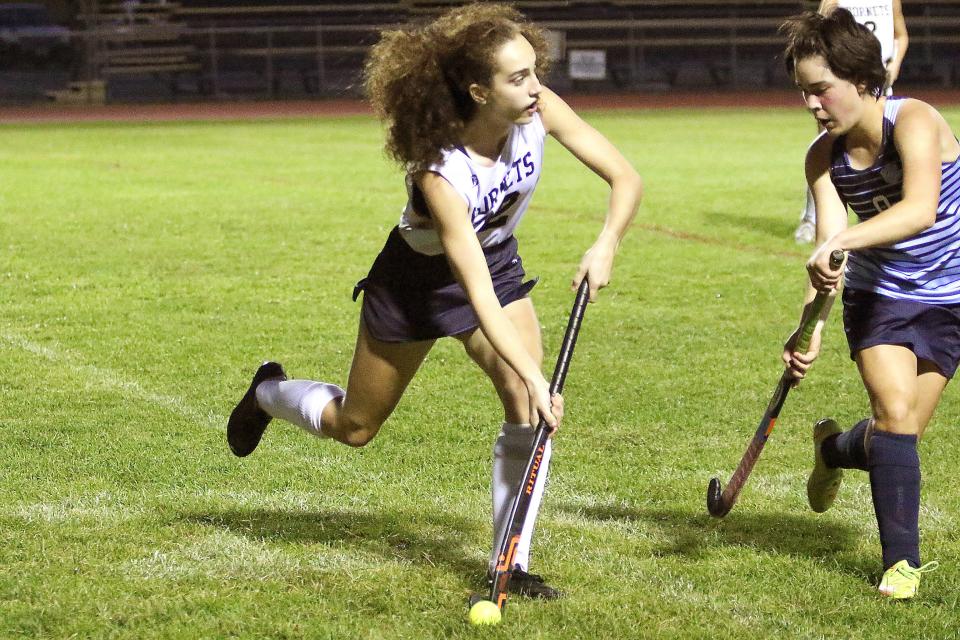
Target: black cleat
point(247, 420)
point(530, 585)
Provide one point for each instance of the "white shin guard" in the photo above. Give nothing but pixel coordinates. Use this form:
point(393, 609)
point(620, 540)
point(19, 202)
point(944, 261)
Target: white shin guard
point(510, 456)
point(298, 401)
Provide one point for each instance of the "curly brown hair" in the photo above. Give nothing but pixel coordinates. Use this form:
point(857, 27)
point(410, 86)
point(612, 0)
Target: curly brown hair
point(418, 79)
point(852, 52)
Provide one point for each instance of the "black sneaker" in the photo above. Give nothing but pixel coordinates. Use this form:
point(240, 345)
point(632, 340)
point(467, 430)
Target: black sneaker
point(530, 585)
point(247, 420)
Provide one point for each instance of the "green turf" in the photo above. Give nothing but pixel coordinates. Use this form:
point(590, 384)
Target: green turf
point(145, 270)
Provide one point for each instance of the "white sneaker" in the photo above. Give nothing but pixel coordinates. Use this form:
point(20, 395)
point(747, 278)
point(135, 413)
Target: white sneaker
point(805, 233)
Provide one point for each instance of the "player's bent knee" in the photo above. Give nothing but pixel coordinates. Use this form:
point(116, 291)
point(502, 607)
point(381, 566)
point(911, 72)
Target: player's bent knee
point(896, 417)
point(358, 434)
point(359, 437)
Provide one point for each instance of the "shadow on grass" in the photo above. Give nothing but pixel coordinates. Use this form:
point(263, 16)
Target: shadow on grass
point(774, 227)
point(692, 534)
point(438, 540)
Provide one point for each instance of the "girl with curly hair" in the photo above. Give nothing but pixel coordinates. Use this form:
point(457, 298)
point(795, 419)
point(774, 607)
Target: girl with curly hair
point(467, 117)
point(895, 163)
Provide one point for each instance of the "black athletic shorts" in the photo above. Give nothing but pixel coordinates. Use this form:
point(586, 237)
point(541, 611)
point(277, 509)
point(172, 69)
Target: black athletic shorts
point(931, 331)
point(409, 296)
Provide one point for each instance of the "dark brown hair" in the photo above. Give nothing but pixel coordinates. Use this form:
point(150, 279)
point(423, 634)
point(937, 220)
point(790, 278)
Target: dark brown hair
point(418, 79)
point(852, 52)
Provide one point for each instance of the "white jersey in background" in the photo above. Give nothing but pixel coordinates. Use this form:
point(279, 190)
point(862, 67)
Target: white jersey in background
point(876, 15)
point(496, 196)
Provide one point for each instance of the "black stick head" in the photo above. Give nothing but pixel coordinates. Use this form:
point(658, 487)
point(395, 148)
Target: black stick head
point(715, 499)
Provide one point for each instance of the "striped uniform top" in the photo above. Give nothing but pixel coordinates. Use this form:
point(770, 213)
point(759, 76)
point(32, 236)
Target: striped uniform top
point(923, 268)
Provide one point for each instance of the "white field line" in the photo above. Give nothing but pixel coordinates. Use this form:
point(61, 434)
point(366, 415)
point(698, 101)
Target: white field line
point(228, 555)
point(102, 508)
point(112, 381)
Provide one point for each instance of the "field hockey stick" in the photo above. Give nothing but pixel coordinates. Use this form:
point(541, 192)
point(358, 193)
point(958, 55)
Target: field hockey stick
point(720, 499)
point(521, 504)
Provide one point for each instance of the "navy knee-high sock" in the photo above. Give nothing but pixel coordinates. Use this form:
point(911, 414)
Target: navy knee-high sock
point(847, 450)
point(895, 483)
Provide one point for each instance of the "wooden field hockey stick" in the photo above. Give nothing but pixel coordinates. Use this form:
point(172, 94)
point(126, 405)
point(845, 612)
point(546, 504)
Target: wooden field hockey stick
point(720, 499)
point(521, 504)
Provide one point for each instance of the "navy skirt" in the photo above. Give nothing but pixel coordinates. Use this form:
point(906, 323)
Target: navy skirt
point(409, 296)
point(931, 331)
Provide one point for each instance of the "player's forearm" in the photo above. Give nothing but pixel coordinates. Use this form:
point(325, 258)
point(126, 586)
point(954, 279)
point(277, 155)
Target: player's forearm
point(469, 266)
point(900, 39)
point(503, 335)
point(625, 194)
point(900, 44)
point(899, 222)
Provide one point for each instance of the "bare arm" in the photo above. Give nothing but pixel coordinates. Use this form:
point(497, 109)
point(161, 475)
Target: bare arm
point(469, 265)
point(831, 220)
point(826, 6)
point(601, 157)
point(831, 211)
point(900, 40)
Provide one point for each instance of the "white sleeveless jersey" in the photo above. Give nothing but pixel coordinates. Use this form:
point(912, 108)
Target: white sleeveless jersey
point(496, 197)
point(876, 15)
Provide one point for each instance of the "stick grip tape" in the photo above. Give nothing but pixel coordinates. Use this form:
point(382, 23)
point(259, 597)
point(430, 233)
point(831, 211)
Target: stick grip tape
point(810, 323)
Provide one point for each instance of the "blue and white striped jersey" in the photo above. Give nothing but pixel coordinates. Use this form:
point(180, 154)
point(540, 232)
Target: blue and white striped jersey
point(924, 268)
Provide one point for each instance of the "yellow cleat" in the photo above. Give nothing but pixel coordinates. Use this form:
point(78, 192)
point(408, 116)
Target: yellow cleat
point(824, 482)
point(901, 580)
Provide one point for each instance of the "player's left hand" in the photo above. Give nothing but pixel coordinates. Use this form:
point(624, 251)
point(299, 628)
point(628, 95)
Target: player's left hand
point(799, 363)
point(556, 407)
point(596, 265)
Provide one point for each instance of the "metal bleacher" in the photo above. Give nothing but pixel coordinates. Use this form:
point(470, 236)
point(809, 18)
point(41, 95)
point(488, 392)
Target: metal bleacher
point(279, 47)
point(649, 43)
point(141, 37)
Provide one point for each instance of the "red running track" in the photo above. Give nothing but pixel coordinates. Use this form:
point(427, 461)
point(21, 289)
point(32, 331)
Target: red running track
point(53, 113)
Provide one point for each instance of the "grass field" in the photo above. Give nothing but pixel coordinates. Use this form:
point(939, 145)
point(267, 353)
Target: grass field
point(145, 271)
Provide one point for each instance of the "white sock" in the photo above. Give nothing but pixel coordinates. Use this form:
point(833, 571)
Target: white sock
point(298, 401)
point(510, 456)
point(809, 209)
